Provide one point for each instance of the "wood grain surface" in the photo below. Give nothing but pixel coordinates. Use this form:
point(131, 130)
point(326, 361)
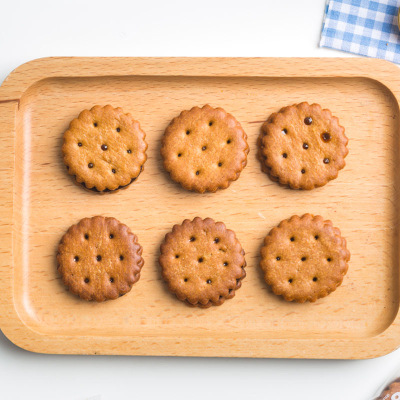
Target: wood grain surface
point(39, 201)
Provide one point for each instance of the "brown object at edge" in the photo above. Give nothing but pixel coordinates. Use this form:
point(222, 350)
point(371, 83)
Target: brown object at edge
point(393, 389)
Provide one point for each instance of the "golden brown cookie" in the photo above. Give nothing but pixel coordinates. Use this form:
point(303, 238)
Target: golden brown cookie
point(104, 149)
point(99, 259)
point(202, 262)
point(304, 258)
point(302, 146)
point(392, 393)
point(204, 149)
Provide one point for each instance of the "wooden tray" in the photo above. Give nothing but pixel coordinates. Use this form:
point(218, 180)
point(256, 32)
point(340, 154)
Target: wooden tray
point(39, 201)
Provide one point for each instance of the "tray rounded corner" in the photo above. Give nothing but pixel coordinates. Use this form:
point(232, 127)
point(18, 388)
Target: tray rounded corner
point(22, 339)
point(23, 76)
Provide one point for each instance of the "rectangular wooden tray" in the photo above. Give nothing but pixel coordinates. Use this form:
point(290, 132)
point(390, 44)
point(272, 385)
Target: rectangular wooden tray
point(39, 201)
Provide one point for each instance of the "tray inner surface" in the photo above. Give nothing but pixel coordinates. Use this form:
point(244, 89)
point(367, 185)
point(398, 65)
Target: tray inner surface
point(362, 202)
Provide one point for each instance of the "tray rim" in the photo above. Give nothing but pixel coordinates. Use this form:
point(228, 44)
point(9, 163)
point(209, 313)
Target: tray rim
point(26, 75)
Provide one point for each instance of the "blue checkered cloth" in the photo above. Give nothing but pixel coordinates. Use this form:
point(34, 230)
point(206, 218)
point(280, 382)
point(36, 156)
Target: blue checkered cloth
point(363, 27)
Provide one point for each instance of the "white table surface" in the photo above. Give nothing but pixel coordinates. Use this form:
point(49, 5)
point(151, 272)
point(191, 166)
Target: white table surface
point(32, 29)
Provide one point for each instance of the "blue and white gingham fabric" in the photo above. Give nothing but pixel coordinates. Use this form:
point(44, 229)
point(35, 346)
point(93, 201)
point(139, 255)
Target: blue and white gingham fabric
point(363, 27)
